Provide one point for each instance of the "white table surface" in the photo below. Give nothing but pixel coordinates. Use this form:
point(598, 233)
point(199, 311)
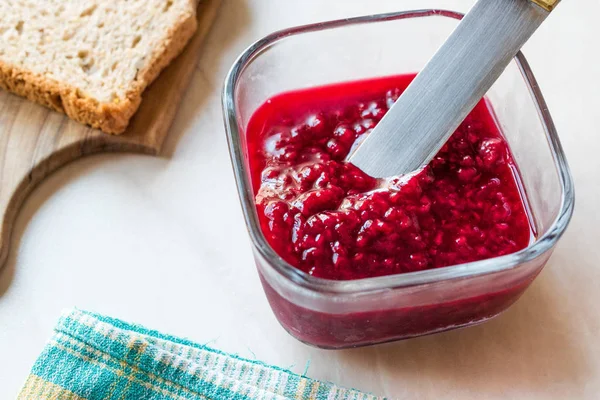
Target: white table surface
point(162, 242)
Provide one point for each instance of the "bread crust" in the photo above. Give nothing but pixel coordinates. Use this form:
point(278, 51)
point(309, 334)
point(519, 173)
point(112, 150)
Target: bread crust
point(112, 117)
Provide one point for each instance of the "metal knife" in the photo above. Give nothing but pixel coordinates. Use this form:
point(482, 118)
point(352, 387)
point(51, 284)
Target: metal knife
point(449, 86)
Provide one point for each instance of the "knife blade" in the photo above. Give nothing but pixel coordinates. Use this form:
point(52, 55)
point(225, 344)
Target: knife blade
point(449, 86)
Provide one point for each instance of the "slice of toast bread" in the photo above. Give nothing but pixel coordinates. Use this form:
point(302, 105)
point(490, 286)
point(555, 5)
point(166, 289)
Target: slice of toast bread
point(91, 59)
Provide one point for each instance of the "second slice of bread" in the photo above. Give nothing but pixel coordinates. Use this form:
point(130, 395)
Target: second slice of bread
point(90, 59)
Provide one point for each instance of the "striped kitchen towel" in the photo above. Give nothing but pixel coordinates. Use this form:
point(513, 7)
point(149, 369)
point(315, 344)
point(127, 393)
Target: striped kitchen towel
point(95, 357)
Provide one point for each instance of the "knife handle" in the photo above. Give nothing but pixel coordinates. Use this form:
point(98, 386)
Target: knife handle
point(546, 4)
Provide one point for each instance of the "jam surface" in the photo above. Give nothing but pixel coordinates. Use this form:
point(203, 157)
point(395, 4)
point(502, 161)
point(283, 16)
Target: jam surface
point(331, 220)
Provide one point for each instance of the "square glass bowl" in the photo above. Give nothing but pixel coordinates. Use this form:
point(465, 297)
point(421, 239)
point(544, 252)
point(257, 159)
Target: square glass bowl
point(339, 314)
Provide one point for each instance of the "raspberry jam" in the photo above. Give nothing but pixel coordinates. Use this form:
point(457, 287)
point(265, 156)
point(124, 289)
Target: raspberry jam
point(329, 219)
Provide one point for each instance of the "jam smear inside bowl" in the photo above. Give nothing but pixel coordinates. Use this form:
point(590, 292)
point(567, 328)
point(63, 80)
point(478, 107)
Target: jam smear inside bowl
point(327, 218)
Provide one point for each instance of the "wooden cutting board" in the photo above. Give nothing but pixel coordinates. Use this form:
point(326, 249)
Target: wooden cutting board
point(35, 141)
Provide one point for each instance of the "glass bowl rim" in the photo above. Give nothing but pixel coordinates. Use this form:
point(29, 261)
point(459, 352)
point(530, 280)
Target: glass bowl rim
point(467, 270)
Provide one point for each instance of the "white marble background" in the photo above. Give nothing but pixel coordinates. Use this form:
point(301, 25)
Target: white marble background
point(161, 241)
